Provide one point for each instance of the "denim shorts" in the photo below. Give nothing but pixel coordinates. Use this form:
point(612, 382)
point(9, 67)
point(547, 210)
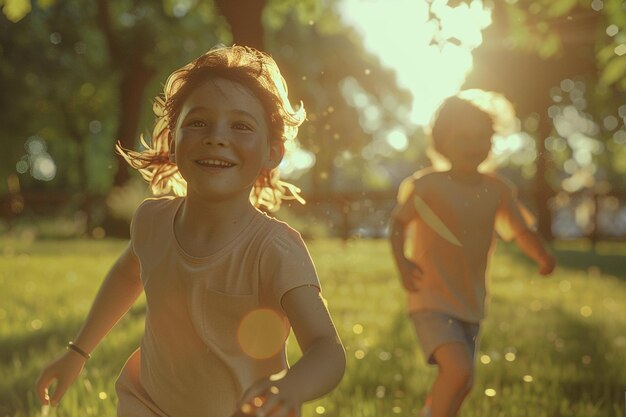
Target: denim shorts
point(435, 329)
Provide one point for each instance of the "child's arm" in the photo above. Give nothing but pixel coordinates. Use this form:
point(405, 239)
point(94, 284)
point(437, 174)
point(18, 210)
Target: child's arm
point(117, 293)
point(321, 366)
point(409, 272)
point(513, 222)
point(530, 243)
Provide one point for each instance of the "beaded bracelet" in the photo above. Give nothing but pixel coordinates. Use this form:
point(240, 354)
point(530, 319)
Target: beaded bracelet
point(78, 350)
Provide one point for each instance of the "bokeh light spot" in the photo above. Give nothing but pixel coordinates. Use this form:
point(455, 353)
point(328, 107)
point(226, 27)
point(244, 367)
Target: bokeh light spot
point(357, 329)
point(262, 333)
point(586, 311)
point(485, 359)
point(98, 233)
point(103, 395)
point(384, 356)
point(527, 378)
point(320, 409)
point(490, 392)
point(359, 354)
point(509, 356)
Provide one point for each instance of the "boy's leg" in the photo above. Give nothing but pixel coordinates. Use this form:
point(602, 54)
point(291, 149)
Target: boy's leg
point(454, 379)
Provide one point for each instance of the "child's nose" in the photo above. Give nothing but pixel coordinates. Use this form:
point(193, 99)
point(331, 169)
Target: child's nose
point(215, 137)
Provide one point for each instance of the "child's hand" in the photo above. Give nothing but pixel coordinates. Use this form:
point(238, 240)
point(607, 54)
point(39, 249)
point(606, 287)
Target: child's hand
point(265, 399)
point(64, 370)
point(547, 265)
point(411, 275)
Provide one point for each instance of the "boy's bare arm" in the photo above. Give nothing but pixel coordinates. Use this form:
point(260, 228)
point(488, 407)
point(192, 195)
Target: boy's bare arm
point(117, 293)
point(409, 272)
point(530, 243)
point(321, 366)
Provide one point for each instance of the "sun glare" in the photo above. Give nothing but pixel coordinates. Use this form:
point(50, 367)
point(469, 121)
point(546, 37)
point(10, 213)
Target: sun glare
point(431, 56)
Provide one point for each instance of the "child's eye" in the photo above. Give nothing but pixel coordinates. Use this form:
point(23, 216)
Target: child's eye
point(241, 126)
point(196, 123)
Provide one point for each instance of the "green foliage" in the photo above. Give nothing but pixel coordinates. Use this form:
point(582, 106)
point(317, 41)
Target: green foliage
point(15, 10)
point(317, 58)
point(60, 61)
point(61, 74)
point(535, 26)
point(559, 8)
point(614, 71)
point(549, 347)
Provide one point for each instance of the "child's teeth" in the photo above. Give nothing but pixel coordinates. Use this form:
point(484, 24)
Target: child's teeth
point(215, 162)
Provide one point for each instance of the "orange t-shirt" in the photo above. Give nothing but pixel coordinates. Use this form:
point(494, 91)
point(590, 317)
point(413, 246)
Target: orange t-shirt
point(451, 229)
point(214, 325)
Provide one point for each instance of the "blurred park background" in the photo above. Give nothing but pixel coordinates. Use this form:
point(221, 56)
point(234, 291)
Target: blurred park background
point(76, 77)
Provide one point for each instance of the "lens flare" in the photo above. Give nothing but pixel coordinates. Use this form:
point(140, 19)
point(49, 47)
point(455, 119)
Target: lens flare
point(262, 333)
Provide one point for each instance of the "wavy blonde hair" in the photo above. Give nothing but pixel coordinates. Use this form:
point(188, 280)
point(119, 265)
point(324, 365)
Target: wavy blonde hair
point(253, 69)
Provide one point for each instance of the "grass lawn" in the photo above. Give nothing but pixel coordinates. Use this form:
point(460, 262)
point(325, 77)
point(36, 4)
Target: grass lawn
point(549, 347)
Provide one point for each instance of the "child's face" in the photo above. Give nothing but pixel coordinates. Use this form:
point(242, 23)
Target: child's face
point(467, 146)
point(221, 141)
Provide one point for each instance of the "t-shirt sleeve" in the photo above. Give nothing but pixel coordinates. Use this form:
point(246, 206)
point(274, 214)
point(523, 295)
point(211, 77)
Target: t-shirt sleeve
point(404, 210)
point(135, 224)
point(285, 265)
point(138, 224)
point(512, 218)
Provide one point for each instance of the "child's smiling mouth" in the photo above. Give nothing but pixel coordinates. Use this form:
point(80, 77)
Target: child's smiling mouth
point(215, 163)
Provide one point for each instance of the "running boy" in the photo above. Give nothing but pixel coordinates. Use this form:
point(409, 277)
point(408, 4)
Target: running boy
point(451, 218)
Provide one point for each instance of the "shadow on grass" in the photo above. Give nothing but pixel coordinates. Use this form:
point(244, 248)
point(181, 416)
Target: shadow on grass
point(608, 258)
point(584, 372)
point(591, 368)
point(609, 264)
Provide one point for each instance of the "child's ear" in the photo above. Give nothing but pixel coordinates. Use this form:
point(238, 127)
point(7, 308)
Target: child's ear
point(277, 151)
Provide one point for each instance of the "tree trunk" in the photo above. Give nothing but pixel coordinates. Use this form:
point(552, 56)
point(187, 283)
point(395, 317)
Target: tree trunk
point(244, 18)
point(131, 93)
point(525, 78)
point(543, 190)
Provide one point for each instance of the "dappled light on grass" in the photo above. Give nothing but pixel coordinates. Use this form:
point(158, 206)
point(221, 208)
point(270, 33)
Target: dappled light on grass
point(490, 392)
point(565, 363)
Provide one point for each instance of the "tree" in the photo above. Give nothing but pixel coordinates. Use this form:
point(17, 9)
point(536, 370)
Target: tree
point(529, 49)
point(244, 18)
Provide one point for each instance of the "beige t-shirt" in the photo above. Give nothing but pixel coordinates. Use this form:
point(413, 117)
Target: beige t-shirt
point(214, 325)
point(451, 228)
